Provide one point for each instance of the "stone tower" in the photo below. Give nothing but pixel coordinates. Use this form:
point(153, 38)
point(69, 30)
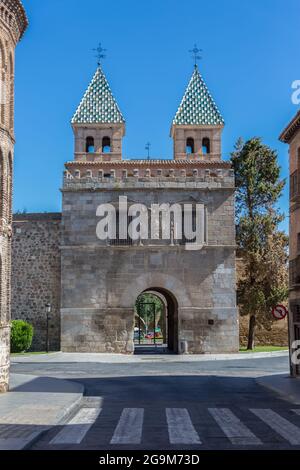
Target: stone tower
point(98, 124)
point(13, 23)
point(198, 124)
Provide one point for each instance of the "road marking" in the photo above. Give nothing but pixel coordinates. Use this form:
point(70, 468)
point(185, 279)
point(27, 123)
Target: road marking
point(233, 428)
point(130, 427)
point(180, 427)
point(75, 431)
point(282, 426)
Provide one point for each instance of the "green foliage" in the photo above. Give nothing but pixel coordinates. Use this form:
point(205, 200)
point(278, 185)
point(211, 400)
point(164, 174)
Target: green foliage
point(257, 176)
point(148, 310)
point(144, 308)
point(21, 336)
point(262, 246)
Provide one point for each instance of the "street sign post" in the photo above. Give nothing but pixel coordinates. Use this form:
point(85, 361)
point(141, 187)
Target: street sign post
point(279, 312)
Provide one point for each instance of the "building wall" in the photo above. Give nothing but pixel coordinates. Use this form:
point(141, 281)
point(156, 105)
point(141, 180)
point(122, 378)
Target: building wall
point(13, 23)
point(182, 133)
point(100, 284)
point(295, 207)
point(36, 275)
point(294, 254)
point(33, 274)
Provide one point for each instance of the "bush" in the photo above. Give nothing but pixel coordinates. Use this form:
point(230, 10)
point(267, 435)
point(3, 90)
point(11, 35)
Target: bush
point(21, 336)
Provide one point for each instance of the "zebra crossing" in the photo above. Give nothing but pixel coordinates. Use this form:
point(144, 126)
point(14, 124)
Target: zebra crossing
point(237, 432)
point(181, 427)
point(75, 431)
point(130, 427)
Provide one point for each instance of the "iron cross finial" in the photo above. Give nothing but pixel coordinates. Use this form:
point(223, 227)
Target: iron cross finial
point(196, 54)
point(100, 53)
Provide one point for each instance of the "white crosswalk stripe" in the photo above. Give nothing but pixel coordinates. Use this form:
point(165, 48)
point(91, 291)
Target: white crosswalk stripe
point(181, 430)
point(180, 427)
point(233, 428)
point(75, 431)
point(130, 427)
point(282, 426)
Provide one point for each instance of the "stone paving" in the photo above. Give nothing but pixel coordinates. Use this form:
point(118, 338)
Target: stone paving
point(32, 406)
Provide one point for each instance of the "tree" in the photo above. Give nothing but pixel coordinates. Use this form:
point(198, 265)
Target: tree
point(263, 247)
point(145, 312)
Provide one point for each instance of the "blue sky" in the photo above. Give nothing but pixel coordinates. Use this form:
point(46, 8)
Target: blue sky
point(250, 59)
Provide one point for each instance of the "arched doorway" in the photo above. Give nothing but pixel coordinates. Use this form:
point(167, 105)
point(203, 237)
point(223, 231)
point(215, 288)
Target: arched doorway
point(156, 322)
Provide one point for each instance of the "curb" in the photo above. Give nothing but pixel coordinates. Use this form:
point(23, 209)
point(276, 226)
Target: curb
point(62, 418)
point(138, 359)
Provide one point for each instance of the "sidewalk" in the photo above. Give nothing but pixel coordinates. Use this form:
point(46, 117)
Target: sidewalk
point(60, 357)
point(32, 406)
point(287, 387)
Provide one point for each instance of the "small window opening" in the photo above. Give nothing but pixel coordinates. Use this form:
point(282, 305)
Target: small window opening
point(106, 145)
point(190, 146)
point(205, 146)
point(90, 145)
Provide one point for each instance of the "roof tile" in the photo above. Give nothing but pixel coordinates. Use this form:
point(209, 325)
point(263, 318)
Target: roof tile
point(197, 107)
point(98, 106)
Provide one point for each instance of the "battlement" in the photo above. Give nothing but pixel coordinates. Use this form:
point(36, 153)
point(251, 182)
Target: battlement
point(187, 177)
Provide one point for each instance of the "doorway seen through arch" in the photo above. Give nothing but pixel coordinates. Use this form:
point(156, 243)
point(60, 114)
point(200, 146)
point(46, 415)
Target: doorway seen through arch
point(155, 323)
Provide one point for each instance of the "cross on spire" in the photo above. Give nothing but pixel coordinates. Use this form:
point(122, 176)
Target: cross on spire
point(196, 54)
point(100, 53)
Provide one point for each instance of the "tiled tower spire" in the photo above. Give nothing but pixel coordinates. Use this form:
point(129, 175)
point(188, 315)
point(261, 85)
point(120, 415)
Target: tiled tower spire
point(197, 107)
point(197, 125)
point(98, 123)
point(98, 104)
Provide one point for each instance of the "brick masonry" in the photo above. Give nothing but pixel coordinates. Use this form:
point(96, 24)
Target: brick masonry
point(13, 23)
point(291, 136)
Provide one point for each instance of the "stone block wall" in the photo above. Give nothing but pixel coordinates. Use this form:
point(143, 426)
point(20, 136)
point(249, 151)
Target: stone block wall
point(100, 283)
point(36, 274)
point(100, 287)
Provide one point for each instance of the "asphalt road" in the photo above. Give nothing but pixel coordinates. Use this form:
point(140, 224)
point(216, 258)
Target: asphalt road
point(152, 366)
point(156, 405)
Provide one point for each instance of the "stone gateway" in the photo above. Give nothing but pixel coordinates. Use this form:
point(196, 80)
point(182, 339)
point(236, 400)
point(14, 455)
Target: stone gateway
point(101, 279)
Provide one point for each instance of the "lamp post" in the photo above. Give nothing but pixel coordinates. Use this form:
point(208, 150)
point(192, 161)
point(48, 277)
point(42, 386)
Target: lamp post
point(48, 311)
